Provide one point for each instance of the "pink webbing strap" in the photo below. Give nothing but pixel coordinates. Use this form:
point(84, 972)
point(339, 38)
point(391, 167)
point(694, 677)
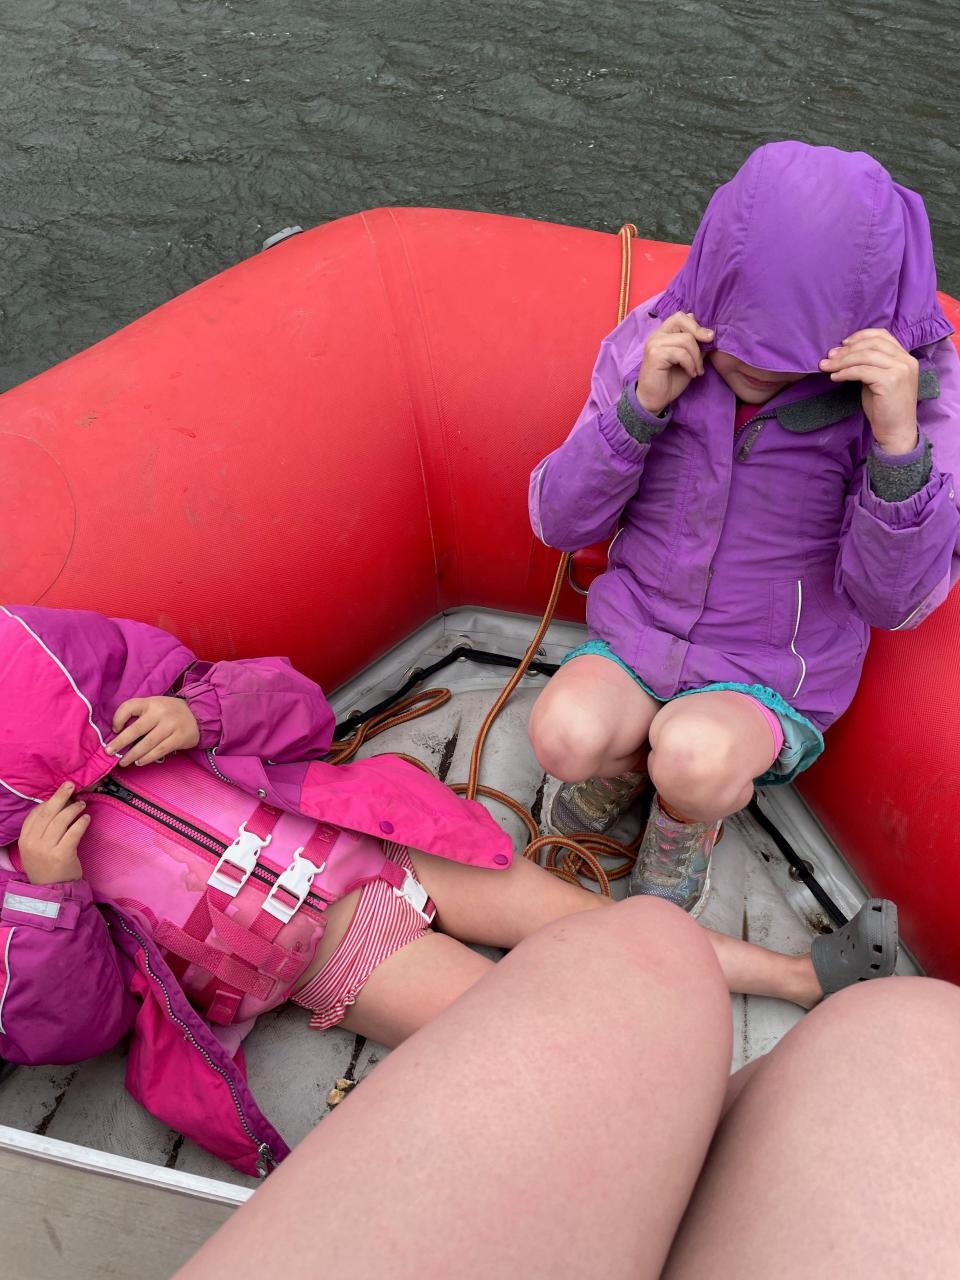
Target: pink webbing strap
point(266, 925)
point(198, 924)
point(227, 968)
point(221, 996)
point(278, 962)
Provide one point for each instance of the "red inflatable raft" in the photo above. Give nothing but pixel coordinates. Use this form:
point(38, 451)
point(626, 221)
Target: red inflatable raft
point(323, 447)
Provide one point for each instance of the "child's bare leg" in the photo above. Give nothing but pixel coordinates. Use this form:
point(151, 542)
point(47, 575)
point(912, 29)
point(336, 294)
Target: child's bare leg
point(501, 908)
point(591, 720)
point(467, 1154)
point(706, 751)
point(848, 1132)
point(412, 987)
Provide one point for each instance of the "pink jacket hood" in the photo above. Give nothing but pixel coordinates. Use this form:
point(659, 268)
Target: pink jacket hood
point(59, 686)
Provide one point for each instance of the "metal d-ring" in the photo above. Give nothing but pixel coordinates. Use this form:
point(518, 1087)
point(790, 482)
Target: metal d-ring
point(581, 591)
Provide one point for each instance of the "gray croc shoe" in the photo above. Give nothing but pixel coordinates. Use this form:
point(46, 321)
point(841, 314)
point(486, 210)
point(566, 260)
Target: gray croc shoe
point(864, 948)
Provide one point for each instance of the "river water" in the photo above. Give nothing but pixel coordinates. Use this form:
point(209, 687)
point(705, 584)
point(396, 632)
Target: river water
point(146, 146)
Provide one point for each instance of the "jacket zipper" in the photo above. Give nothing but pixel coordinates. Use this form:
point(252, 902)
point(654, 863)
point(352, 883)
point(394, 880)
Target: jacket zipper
point(210, 845)
point(749, 434)
point(211, 760)
point(743, 443)
point(265, 1159)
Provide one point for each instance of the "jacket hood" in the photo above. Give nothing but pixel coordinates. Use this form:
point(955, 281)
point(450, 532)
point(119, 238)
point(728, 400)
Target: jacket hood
point(804, 246)
point(62, 676)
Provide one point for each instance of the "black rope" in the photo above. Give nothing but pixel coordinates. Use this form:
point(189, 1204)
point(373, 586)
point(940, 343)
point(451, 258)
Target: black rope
point(480, 656)
point(797, 863)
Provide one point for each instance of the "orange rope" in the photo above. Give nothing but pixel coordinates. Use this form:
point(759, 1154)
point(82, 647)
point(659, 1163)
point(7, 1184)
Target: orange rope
point(581, 853)
point(581, 858)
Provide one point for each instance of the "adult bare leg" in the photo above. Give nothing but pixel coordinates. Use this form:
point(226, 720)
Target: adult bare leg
point(841, 1149)
point(491, 1144)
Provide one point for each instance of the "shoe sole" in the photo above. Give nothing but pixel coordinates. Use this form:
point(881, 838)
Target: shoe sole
point(698, 907)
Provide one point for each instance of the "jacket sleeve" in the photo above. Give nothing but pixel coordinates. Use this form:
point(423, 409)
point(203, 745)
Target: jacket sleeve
point(63, 997)
point(259, 707)
point(578, 492)
point(900, 543)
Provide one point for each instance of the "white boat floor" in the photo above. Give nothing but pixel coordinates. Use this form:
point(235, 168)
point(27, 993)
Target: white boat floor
point(291, 1068)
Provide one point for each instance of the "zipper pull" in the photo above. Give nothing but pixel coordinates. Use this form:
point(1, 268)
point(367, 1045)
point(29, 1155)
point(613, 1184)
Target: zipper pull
point(753, 434)
point(265, 1160)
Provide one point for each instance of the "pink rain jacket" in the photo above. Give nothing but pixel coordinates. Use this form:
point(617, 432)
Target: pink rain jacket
point(77, 973)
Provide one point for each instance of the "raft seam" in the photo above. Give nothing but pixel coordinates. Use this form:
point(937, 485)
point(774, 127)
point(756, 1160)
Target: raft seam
point(410, 395)
point(452, 506)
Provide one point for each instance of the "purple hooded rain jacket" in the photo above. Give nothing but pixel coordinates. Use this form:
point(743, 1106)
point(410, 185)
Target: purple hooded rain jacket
point(765, 556)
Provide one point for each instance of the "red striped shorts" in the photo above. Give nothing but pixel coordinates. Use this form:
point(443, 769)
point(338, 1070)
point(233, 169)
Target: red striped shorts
point(384, 921)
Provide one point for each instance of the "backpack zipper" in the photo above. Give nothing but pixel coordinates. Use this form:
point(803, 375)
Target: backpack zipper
point(210, 845)
point(265, 1158)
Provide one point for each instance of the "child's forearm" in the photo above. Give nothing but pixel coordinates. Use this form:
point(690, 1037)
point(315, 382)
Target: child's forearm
point(259, 707)
point(898, 553)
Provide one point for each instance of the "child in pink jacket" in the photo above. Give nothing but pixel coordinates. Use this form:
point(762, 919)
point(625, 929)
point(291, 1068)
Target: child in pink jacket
point(100, 716)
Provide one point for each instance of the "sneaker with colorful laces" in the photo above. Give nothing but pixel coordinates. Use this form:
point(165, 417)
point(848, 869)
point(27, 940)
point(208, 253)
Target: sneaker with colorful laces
point(594, 805)
point(674, 860)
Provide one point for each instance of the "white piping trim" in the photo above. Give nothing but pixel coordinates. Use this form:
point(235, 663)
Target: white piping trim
point(793, 642)
point(53, 656)
point(19, 794)
point(909, 617)
point(536, 502)
point(6, 973)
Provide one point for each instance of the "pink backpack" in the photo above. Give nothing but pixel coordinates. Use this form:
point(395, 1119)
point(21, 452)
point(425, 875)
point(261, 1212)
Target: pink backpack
point(235, 889)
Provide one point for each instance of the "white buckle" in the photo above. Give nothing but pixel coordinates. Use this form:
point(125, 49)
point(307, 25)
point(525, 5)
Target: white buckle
point(295, 880)
point(415, 894)
point(242, 855)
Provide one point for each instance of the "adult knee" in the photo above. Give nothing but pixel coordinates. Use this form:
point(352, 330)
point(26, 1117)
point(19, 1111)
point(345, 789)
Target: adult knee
point(920, 1013)
point(642, 942)
point(648, 936)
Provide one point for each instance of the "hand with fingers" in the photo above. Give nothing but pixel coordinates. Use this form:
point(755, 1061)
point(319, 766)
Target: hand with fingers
point(890, 377)
point(50, 837)
point(671, 360)
point(157, 727)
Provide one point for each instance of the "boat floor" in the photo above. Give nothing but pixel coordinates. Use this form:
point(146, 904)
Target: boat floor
point(291, 1068)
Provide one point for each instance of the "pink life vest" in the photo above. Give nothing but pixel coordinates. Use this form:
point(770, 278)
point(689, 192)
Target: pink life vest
point(235, 889)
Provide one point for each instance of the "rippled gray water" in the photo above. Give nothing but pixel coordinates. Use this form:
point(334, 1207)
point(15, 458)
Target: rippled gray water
point(145, 146)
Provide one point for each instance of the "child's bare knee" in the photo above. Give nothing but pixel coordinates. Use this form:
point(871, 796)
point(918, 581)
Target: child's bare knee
point(696, 758)
point(565, 749)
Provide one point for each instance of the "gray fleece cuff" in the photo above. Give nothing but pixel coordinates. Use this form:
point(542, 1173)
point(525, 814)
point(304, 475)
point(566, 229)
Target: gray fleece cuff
point(894, 479)
point(636, 420)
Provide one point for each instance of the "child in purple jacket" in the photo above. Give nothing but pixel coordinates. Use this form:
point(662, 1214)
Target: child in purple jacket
point(774, 441)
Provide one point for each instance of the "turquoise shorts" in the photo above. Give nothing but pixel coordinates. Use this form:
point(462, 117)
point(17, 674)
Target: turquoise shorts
point(802, 741)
